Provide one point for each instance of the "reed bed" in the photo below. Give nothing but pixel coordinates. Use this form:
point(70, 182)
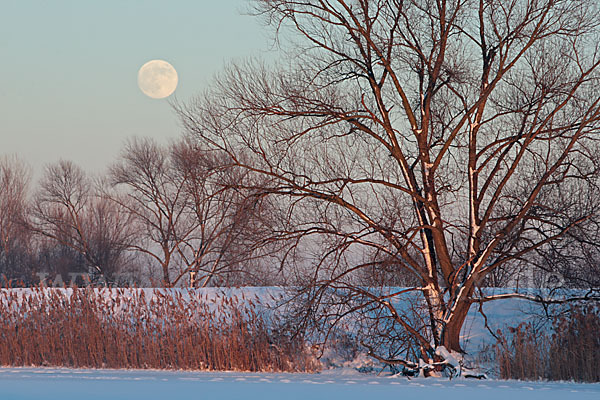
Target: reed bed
point(137, 328)
point(570, 351)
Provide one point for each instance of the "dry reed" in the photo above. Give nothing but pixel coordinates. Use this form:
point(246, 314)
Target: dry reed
point(136, 328)
point(570, 352)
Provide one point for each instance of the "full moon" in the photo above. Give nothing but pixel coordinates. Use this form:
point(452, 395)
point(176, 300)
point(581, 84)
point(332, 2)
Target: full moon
point(157, 79)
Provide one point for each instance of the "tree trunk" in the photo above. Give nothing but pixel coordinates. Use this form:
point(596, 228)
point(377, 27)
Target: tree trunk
point(166, 279)
point(452, 330)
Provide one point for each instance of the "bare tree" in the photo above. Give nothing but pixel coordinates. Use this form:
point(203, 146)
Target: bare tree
point(68, 210)
point(148, 188)
point(455, 137)
point(15, 240)
point(232, 226)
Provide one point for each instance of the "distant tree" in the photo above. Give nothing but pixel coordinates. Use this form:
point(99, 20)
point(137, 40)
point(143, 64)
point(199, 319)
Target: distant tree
point(191, 218)
point(56, 264)
point(68, 210)
point(15, 239)
point(147, 187)
point(232, 226)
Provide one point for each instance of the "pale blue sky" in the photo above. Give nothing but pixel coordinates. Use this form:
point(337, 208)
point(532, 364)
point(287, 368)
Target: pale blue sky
point(68, 70)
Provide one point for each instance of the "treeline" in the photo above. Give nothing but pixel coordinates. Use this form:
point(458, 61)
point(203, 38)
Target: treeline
point(161, 215)
point(183, 215)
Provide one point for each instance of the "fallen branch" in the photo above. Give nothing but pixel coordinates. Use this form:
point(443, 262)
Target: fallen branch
point(397, 361)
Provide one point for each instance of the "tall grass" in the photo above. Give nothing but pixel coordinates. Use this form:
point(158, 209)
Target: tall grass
point(571, 351)
point(135, 328)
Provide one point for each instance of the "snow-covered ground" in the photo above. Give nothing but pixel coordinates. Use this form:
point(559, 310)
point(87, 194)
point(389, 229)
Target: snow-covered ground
point(67, 384)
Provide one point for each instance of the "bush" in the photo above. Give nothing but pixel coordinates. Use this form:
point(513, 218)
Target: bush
point(570, 351)
point(134, 328)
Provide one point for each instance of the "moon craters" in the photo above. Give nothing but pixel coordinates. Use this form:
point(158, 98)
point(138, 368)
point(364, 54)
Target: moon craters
point(157, 79)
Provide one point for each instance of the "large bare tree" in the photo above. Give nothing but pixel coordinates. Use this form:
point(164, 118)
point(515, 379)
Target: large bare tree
point(452, 137)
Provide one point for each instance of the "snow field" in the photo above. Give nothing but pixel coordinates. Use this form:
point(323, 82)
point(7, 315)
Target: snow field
point(70, 384)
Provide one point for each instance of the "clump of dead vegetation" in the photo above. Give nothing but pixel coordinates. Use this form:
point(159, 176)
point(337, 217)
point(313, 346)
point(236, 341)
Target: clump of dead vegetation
point(568, 351)
point(136, 328)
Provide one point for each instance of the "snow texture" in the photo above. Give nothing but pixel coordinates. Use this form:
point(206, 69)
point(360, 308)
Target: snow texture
point(67, 384)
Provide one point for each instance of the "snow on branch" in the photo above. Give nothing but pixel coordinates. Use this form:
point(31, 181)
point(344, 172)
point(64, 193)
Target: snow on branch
point(591, 295)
